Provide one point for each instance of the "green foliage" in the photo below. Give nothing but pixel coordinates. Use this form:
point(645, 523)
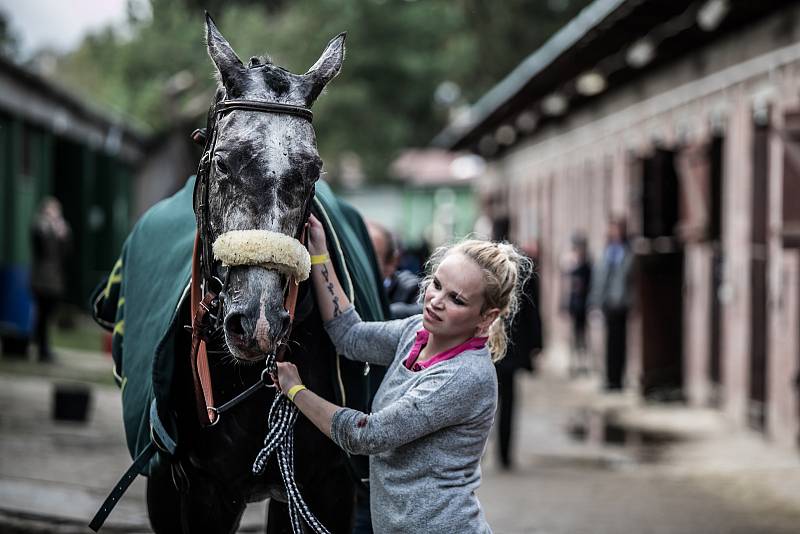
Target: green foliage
point(398, 53)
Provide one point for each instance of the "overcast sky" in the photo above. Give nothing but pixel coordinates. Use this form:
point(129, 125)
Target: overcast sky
point(59, 24)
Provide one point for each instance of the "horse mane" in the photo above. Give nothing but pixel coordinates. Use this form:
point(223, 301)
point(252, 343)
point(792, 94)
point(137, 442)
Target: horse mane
point(259, 61)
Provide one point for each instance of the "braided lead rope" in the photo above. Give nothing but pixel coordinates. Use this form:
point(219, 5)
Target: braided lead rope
point(281, 420)
point(287, 457)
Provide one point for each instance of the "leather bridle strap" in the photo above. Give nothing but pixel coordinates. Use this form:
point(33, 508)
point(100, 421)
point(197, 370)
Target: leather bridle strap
point(201, 374)
point(259, 105)
point(290, 303)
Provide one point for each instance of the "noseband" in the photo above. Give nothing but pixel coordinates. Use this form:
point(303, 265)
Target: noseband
point(272, 250)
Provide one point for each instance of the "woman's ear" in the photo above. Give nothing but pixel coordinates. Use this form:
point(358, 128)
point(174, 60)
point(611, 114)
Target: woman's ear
point(487, 318)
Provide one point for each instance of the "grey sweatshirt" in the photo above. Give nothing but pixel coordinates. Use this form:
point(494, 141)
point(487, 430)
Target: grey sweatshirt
point(427, 431)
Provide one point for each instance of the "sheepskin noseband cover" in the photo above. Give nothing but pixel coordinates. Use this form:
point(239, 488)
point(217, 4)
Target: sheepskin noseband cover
point(265, 248)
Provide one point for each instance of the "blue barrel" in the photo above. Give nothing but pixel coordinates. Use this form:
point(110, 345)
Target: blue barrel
point(16, 308)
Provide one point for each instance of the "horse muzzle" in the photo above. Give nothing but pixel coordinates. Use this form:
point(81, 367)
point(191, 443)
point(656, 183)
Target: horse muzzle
point(252, 337)
point(255, 318)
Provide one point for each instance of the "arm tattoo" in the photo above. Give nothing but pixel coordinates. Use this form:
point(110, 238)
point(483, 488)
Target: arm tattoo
point(336, 309)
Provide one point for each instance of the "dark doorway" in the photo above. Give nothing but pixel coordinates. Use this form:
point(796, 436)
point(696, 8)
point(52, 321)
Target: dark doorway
point(661, 279)
point(661, 293)
point(758, 278)
point(68, 187)
point(715, 155)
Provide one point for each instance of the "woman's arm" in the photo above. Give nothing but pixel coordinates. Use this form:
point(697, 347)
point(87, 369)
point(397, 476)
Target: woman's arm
point(372, 341)
point(331, 298)
point(315, 408)
point(441, 400)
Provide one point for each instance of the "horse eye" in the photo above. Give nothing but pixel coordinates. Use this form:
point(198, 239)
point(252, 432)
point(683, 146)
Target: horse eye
point(221, 165)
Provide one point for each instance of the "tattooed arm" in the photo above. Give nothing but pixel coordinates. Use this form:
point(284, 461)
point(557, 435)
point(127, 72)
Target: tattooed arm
point(331, 298)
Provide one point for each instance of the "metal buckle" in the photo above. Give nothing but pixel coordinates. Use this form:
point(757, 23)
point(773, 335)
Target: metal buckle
point(264, 376)
point(216, 413)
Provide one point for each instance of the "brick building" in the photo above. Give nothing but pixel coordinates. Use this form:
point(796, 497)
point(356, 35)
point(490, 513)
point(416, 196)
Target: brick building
point(685, 118)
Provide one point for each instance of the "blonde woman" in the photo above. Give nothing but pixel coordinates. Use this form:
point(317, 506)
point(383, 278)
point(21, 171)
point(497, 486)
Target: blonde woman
point(434, 410)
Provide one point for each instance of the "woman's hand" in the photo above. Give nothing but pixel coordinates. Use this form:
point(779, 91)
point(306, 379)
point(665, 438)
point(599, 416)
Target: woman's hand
point(316, 237)
point(287, 376)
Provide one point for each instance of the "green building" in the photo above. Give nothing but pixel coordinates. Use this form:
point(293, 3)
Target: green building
point(54, 144)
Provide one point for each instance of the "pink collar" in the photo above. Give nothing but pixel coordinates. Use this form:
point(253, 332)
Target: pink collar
point(422, 339)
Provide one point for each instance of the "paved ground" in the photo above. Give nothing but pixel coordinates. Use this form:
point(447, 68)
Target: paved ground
point(586, 462)
point(595, 463)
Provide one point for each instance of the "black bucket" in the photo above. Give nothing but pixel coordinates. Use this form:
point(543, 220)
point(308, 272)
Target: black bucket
point(71, 402)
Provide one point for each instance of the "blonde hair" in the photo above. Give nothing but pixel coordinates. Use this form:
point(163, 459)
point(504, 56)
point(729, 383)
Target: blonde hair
point(505, 269)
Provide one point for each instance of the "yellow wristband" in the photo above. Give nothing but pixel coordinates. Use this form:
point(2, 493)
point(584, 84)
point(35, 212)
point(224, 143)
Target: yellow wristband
point(294, 390)
point(320, 259)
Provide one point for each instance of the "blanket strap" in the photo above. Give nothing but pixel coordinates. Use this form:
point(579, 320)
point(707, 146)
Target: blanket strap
point(116, 494)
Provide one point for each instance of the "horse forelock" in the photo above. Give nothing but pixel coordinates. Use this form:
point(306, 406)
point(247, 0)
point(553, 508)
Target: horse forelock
point(265, 81)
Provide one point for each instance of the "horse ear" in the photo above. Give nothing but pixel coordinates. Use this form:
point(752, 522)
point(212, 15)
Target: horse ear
point(326, 68)
point(228, 63)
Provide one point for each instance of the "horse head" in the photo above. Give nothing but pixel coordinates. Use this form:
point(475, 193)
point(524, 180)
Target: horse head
point(259, 170)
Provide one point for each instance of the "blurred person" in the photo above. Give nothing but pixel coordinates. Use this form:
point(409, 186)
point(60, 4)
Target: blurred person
point(401, 286)
point(50, 241)
point(525, 343)
point(578, 270)
point(434, 410)
point(612, 294)
point(413, 259)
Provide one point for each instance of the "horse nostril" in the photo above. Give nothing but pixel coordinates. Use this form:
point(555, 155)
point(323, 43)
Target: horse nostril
point(235, 324)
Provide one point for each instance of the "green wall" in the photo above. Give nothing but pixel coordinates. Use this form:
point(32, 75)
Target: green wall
point(26, 175)
point(93, 187)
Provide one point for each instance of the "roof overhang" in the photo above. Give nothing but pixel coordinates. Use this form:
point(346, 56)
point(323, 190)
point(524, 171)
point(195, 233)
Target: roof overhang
point(600, 41)
point(27, 95)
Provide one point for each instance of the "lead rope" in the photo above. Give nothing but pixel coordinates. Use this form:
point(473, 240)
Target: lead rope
point(281, 419)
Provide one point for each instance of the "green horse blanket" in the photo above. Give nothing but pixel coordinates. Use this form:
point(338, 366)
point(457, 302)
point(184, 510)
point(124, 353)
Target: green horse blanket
point(139, 302)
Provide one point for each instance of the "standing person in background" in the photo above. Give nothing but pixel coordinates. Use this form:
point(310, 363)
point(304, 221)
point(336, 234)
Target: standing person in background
point(401, 286)
point(578, 269)
point(612, 294)
point(525, 342)
point(50, 240)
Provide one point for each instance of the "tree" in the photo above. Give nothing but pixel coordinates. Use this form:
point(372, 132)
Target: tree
point(399, 52)
point(9, 40)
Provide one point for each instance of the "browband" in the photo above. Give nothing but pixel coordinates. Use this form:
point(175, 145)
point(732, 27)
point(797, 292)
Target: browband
point(259, 105)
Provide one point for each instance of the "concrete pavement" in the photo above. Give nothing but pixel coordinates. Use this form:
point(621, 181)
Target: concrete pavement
point(55, 474)
point(586, 462)
point(595, 463)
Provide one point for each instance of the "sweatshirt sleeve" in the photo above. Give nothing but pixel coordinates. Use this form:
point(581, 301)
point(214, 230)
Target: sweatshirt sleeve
point(374, 342)
point(441, 400)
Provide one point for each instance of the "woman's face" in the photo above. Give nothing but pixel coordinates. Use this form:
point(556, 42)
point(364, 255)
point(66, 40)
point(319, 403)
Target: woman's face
point(454, 299)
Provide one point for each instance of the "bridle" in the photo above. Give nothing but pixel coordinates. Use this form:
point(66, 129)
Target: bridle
point(283, 413)
point(201, 186)
point(207, 290)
